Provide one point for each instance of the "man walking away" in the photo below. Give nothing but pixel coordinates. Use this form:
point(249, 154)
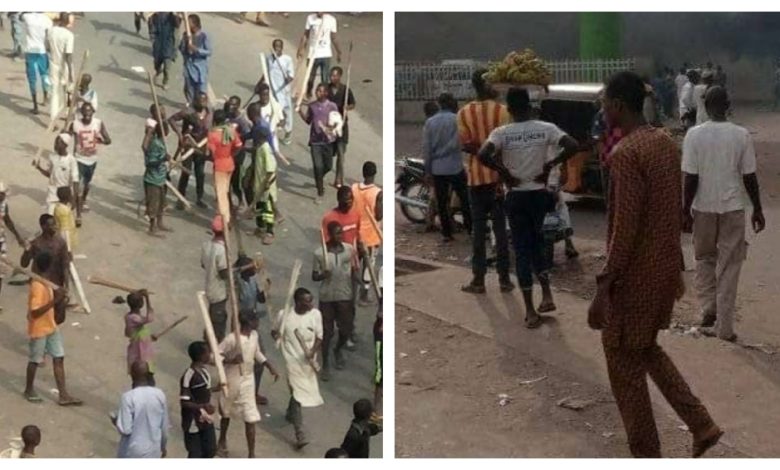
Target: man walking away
point(196, 51)
point(142, 419)
point(642, 277)
point(476, 121)
point(444, 163)
point(525, 148)
point(319, 34)
point(36, 28)
point(60, 46)
point(718, 160)
point(281, 71)
point(162, 29)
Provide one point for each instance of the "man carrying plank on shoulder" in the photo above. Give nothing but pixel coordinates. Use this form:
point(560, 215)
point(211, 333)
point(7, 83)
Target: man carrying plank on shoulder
point(56, 270)
point(214, 261)
point(300, 332)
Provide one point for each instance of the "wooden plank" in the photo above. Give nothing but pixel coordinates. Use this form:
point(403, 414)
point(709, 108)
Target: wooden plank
point(211, 337)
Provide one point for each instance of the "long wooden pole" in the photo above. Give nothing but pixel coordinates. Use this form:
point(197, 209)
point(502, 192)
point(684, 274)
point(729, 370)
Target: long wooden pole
point(211, 337)
point(75, 276)
point(374, 223)
point(29, 273)
point(324, 250)
point(114, 285)
point(349, 73)
point(72, 109)
point(279, 323)
point(306, 351)
point(310, 64)
point(170, 327)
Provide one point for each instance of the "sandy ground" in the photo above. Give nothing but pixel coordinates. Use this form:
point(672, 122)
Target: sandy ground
point(116, 246)
point(756, 324)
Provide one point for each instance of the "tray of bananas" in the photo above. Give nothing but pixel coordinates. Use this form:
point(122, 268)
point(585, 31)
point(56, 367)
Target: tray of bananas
point(519, 68)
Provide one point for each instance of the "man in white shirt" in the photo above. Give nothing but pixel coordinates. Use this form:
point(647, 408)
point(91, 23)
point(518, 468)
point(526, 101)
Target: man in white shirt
point(281, 71)
point(142, 420)
point(687, 104)
point(719, 163)
point(63, 170)
point(707, 80)
point(679, 81)
point(36, 30)
point(60, 41)
point(319, 35)
point(520, 152)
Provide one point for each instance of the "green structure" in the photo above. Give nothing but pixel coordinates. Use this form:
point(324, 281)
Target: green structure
point(599, 35)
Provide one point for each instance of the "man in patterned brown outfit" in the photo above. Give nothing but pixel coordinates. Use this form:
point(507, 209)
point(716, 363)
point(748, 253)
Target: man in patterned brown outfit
point(642, 277)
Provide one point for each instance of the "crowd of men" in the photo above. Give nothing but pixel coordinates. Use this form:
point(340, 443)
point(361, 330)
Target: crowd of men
point(510, 155)
point(244, 149)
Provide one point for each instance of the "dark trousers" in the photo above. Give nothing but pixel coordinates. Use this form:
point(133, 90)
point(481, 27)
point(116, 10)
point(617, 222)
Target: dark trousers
point(442, 184)
point(487, 204)
point(218, 315)
point(340, 149)
point(628, 370)
point(324, 67)
point(335, 315)
point(235, 178)
point(198, 161)
point(162, 66)
point(294, 416)
point(202, 444)
point(321, 163)
point(526, 211)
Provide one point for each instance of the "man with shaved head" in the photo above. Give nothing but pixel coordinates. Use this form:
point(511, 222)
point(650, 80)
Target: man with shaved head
point(142, 419)
point(719, 163)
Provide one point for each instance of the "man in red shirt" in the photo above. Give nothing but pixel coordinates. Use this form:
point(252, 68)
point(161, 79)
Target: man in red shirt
point(346, 215)
point(223, 143)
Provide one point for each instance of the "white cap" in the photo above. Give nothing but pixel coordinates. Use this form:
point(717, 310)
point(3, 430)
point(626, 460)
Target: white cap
point(66, 138)
point(3, 187)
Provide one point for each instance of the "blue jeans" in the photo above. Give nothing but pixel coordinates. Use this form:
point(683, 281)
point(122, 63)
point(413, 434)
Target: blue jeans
point(323, 65)
point(526, 211)
point(37, 63)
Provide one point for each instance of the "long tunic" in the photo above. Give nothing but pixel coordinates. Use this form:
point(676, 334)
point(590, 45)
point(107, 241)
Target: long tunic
point(162, 30)
point(302, 378)
point(643, 237)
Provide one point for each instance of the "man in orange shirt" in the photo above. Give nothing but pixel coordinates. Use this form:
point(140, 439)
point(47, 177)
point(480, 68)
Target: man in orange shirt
point(45, 337)
point(368, 196)
point(346, 215)
point(476, 120)
point(223, 143)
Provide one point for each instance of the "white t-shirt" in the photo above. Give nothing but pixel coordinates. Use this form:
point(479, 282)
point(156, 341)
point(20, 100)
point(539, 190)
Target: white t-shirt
point(250, 353)
point(60, 43)
point(686, 98)
point(87, 138)
point(698, 100)
point(35, 27)
point(720, 153)
point(525, 147)
point(320, 45)
point(64, 171)
point(680, 81)
point(213, 259)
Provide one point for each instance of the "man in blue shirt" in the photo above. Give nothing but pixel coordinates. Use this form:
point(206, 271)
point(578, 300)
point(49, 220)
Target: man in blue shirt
point(196, 51)
point(444, 163)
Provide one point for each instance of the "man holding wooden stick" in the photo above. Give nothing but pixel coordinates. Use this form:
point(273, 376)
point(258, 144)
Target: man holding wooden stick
point(56, 270)
point(214, 261)
point(336, 271)
point(321, 137)
point(62, 170)
point(320, 37)
point(196, 49)
point(156, 170)
point(281, 74)
point(300, 331)
point(368, 204)
point(341, 95)
point(195, 124)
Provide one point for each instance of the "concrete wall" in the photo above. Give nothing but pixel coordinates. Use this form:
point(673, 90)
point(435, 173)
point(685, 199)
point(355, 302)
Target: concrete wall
point(745, 44)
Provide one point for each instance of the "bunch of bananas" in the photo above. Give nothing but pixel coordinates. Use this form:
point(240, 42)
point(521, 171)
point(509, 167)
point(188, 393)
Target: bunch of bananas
point(519, 68)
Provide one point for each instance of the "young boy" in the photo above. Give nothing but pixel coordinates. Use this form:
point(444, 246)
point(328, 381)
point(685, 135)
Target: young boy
point(156, 171)
point(63, 217)
point(239, 367)
point(31, 437)
point(87, 95)
point(358, 437)
point(5, 221)
point(140, 348)
point(89, 131)
point(200, 438)
point(251, 298)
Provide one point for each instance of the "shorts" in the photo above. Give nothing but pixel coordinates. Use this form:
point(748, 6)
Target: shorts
point(154, 200)
point(86, 172)
point(51, 345)
point(240, 402)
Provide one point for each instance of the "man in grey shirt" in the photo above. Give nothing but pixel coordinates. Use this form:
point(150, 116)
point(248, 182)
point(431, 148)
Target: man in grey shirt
point(142, 420)
point(213, 259)
point(337, 271)
point(444, 163)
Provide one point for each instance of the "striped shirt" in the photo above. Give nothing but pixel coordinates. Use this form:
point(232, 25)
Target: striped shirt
point(476, 121)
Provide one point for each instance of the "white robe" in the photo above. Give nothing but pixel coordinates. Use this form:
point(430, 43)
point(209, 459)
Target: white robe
point(301, 376)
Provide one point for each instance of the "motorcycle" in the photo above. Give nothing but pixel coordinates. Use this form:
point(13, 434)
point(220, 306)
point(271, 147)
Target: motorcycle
point(414, 196)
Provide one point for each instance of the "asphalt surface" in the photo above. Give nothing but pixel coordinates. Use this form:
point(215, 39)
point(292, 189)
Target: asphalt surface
point(116, 246)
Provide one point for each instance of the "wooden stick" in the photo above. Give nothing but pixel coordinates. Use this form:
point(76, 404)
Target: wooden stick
point(374, 281)
point(312, 361)
point(324, 250)
point(16, 268)
point(157, 113)
point(349, 73)
point(310, 64)
point(178, 195)
point(374, 223)
point(114, 285)
point(76, 279)
point(171, 326)
point(72, 110)
point(180, 161)
point(212, 339)
point(279, 323)
point(264, 68)
point(263, 274)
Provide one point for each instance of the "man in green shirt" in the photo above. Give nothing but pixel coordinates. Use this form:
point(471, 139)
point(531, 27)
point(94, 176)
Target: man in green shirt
point(155, 162)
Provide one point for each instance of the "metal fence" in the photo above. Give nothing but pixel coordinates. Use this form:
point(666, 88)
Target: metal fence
point(421, 81)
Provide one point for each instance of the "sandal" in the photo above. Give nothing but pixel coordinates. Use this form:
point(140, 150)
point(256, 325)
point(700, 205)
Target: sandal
point(700, 447)
point(546, 307)
point(34, 398)
point(71, 402)
point(473, 289)
point(534, 322)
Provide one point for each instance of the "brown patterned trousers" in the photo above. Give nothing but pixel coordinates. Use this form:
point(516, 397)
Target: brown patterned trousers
point(628, 370)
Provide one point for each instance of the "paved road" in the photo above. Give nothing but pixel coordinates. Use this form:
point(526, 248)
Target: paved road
point(116, 245)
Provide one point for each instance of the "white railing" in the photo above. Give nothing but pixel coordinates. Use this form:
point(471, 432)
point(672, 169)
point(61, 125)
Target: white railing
point(421, 81)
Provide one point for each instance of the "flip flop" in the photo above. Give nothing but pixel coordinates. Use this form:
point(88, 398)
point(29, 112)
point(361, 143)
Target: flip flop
point(699, 448)
point(546, 307)
point(33, 398)
point(473, 289)
point(71, 402)
point(535, 323)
